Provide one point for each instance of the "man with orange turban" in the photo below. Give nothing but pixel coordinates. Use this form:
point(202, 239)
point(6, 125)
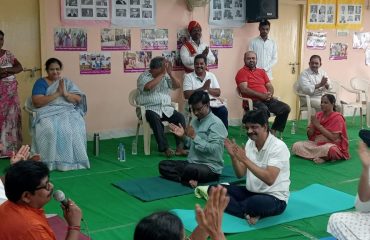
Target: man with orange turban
point(194, 47)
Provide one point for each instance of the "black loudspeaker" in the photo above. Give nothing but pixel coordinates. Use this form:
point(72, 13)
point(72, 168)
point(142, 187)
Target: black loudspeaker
point(257, 10)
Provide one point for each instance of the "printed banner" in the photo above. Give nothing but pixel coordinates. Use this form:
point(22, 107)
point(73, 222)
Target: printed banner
point(115, 39)
point(361, 40)
point(215, 65)
point(133, 13)
point(154, 39)
point(350, 14)
point(338, 51)
point(95, 63)
point(85, 10)
point(316, 40)
point(221, 38)
point(70, 39)
point(175, 59)
point(182, 37)
point(321, 14)
point(230, 13)
point(136, 61)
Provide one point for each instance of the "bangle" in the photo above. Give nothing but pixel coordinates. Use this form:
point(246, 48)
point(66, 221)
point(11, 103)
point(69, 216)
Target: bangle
point(77, 228)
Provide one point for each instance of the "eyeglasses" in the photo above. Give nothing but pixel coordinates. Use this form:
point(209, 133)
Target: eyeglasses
point(198, 109)
point(47, 186)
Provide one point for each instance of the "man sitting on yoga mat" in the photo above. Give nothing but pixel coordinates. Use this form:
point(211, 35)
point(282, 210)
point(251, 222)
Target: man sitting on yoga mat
point(206, 134)
point(265, 163)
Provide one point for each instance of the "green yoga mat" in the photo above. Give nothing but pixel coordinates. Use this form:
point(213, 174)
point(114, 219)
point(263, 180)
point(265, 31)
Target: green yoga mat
point(311, 201)
point(154, 188)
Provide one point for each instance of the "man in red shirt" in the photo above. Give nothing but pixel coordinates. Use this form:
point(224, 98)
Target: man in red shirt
point(254, 83)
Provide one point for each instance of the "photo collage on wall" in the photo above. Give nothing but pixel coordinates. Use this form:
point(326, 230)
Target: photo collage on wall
point(117, 37)
point(227, 12)
point(351, 14)
point(86, 10)
point(138, 13)
point(322, 13)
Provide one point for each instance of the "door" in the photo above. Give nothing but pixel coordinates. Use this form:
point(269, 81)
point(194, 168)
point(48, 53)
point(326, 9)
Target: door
point(287, 32)
point(20, 23)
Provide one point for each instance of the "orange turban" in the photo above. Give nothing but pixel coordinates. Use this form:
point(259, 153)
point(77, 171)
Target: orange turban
point(192, 25)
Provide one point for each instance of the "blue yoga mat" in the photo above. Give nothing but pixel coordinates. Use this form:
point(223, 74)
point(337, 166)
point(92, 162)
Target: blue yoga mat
point(154, 188)
point(311, 201)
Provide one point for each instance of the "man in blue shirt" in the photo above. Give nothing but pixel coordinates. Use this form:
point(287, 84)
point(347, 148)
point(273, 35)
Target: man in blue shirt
point(206, 133)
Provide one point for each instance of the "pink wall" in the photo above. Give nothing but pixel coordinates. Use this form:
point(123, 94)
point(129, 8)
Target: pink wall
point(342, 70)
point(108, 108)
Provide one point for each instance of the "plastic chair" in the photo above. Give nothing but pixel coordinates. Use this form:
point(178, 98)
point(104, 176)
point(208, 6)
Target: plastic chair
point(140, 113)
point(302, 107)
point(359, 87)
point(28, 108)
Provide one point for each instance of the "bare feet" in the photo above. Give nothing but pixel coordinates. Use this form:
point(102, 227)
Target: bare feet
point(251, 220)
point(169, 152)
point(181, 152)
point(318, 160)
point(193, 183)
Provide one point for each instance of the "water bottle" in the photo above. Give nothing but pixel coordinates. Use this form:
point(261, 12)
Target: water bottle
point(134, 147)
point(292, 131)
point(121, 155)
point(96, 144)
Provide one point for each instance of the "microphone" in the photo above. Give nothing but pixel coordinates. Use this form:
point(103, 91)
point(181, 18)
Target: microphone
point(59, 196)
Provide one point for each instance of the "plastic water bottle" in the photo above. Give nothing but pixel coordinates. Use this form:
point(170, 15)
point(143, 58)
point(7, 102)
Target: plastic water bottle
point(121, 154)
point(292, 131)
point(134, 147)
point(96, 147)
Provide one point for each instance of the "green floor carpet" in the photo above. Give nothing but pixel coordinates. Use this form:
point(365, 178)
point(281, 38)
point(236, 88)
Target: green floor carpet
point(112, 214)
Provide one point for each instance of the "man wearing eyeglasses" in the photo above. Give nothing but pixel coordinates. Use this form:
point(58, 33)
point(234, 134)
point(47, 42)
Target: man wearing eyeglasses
point(203, 80)
point(28, 189)
point(206, 133)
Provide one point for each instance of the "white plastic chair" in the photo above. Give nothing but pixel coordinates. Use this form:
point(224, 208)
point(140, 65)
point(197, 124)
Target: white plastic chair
point(140, 113)
point(301, 107)
point(28, 108)
point(359, 87)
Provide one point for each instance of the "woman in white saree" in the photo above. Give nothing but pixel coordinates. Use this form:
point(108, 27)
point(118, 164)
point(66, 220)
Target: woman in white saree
point(58, 127)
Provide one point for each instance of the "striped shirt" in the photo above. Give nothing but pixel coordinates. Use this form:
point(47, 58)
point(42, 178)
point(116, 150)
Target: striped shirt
point(158, 99)
point(266, 54)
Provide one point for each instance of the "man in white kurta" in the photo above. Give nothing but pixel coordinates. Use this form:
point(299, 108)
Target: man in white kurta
point(355, 225)
point(194, 47)
point(265, 48)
